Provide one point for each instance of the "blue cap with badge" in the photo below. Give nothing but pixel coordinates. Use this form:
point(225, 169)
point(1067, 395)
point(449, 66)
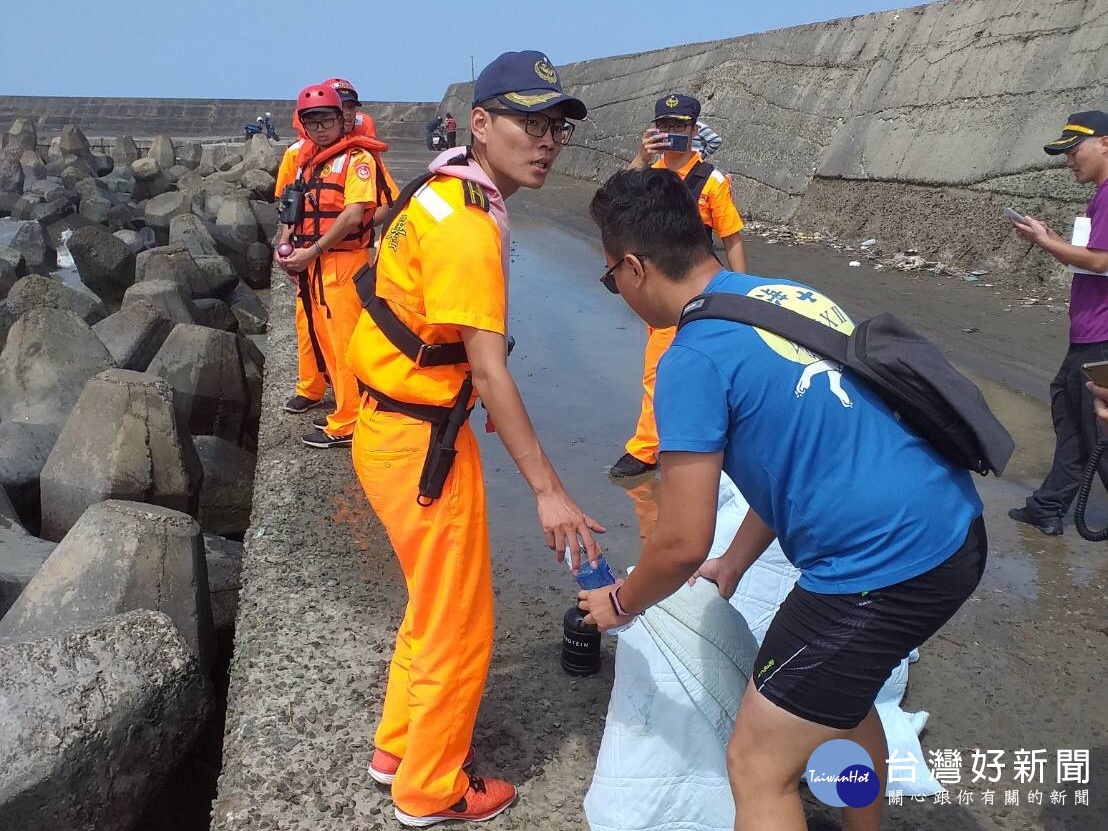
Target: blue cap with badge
point(683, 107)
point(527, 82)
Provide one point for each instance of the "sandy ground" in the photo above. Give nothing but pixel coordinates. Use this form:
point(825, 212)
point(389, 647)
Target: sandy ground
point(1020, 667)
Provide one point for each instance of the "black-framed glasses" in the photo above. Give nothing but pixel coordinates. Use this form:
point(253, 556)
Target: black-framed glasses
point(537, 125)
point(672, 125)
point(320, 123)
point(608, 278)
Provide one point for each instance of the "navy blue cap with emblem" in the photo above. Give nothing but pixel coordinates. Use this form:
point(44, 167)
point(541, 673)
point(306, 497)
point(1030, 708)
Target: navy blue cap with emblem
point(1079, 127)
point(674, 105)
point(527, 82)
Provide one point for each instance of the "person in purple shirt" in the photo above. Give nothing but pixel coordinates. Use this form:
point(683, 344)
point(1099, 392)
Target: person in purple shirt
point(1084, 141)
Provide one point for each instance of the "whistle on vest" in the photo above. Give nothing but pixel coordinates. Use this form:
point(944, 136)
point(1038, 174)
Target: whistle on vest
point(291, 206)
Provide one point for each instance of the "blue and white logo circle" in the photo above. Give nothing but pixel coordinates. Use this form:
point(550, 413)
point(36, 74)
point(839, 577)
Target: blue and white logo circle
point(840, 773)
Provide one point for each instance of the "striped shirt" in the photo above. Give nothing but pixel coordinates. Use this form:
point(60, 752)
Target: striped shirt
point(706, 141)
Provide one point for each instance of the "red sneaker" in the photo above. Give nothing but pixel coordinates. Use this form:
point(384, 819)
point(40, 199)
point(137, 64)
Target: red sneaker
point(382, 767)
point(484, 799)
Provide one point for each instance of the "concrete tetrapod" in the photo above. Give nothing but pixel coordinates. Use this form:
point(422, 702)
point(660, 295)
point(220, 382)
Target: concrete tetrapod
point(126, 440)
point(49, 356)
point(121, 556)
point(21, 555)
point(205, 368)
point(94, 720)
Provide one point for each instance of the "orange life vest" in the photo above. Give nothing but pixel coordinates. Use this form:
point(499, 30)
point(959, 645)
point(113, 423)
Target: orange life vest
point(322, 173)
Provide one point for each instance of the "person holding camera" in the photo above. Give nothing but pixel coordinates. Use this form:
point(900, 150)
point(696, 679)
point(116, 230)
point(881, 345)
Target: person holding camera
point(328, 214)
point(1084, 141)
point(311, 377)
point(670, 145)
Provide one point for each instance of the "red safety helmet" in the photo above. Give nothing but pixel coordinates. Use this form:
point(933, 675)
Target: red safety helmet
point(344, 88)
point(317, 97)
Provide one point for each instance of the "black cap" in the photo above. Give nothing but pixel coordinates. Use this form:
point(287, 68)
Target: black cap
point(1079, 127)
point(527, 82)
point(677, 106)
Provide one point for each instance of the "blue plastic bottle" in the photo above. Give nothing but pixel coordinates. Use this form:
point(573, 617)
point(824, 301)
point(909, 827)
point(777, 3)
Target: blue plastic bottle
point(589, 578)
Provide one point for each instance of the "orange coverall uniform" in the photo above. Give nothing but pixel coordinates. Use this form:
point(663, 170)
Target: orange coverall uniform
point(717, 211)
point(439, 268)
point(311, 380)
point(335, 305)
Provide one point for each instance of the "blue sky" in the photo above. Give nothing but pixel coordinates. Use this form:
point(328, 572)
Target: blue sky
point(392, 51)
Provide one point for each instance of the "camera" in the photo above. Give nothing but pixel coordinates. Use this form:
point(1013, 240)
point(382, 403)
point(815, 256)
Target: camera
point(291, 206)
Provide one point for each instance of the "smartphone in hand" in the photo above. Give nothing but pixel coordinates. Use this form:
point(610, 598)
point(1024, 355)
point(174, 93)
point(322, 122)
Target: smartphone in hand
point(1097, 372)
point(1013, 215)
point(678, 142)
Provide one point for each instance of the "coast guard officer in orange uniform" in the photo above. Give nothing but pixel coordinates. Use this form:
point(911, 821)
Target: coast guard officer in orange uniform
point(311, 385)
point(340, 181)
point(434, 337)
point(676, 114)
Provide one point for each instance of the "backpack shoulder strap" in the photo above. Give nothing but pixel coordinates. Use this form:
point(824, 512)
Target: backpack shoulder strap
point(801, 330)
point(698, 178)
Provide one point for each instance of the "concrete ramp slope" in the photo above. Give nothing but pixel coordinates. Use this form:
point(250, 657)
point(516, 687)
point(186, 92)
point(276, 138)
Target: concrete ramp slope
point(914, 126)
point(188, 116)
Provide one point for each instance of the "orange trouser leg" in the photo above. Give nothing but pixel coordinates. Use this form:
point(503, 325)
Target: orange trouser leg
point(444, 644)
point(311, 382)
point(336, 314)
point(644, 444)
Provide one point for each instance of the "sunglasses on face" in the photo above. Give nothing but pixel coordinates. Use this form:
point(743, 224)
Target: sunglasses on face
point(537, 125)
point(608, 278)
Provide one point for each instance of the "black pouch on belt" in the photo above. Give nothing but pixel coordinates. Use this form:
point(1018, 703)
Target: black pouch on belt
point(440, 451)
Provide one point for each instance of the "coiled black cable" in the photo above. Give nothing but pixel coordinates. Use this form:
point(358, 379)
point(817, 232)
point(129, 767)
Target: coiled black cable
point(1083, 496)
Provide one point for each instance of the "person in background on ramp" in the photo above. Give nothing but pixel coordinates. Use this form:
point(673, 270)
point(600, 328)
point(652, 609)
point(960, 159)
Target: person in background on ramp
point(433, 337)
point(1084, 141)
point(676, 115)
point(886, 532)
point(706, 141)
point(451, 126)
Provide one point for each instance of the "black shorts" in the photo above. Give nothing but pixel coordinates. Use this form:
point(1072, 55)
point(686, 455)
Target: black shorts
point(826, 656)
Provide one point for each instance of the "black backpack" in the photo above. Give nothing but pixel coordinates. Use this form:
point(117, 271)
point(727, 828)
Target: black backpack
point(907, 370)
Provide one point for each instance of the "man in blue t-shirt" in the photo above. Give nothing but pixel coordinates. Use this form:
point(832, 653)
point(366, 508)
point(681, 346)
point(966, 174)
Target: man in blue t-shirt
point(887, 534)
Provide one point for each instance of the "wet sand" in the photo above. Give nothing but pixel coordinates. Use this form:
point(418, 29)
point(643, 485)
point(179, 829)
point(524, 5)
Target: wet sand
point(1020, 667)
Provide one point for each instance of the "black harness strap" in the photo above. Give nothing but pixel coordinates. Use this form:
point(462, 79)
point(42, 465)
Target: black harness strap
point(423, 412)
point(392, 327)
point(696, 180)
point(305, 294)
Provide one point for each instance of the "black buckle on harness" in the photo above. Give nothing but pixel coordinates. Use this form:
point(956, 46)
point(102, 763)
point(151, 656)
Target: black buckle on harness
point(430, 354)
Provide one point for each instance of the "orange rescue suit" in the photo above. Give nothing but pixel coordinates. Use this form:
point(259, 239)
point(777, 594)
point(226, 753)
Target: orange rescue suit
point(333, 177)
point(440, 267)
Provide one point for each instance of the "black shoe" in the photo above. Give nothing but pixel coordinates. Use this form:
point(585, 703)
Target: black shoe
point(628, 465)
point(320, 422)
point(1049, 525)
point(319, 438)
point(301, 404)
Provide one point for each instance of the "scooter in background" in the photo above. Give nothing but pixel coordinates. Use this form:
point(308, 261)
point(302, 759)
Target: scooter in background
point(263, 125)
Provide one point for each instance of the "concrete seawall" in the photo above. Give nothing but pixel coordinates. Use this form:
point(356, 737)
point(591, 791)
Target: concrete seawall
point(187, 116)
point(914, 126)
